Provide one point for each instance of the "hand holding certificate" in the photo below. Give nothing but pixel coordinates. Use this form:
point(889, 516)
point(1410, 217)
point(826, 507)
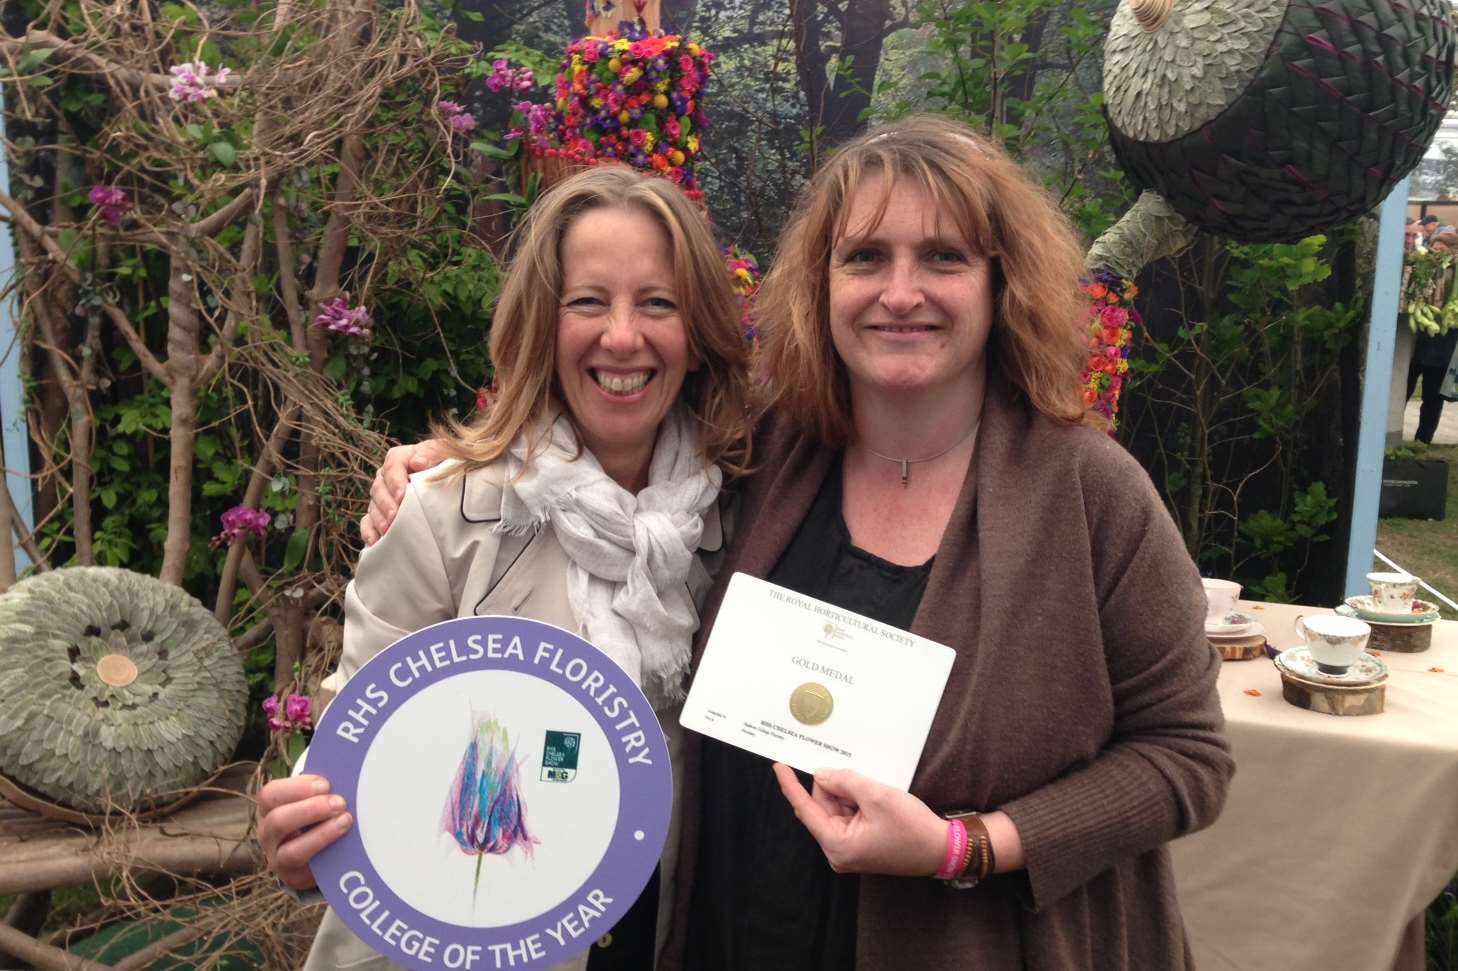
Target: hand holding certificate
point(803, 682)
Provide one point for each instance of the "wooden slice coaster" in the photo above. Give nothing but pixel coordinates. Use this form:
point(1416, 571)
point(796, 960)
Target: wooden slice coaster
point(1400, 638)
point(1333, 699)
point(1241, 648)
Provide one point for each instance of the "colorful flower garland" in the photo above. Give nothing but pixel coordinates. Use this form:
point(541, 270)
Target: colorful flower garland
point(632, 98)
point(1110, 335)
point(745, 276)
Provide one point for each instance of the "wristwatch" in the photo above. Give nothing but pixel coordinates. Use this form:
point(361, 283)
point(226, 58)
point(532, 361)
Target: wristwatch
point(980, 860)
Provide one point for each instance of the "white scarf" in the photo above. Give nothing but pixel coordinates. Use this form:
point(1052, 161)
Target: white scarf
point(630, 555)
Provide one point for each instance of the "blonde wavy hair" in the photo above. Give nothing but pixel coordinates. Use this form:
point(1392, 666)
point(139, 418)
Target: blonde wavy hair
point(1036, 337)
point(524, 327)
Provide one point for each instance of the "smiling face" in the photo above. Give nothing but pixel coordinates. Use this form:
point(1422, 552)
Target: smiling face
point(622, 347)
point(911, 303)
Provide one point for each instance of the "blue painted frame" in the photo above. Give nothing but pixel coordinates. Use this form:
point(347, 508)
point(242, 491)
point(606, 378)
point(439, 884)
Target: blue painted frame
point(14, 427)
point(1376, 390)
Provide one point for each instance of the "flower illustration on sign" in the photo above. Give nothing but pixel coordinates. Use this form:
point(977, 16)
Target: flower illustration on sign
point(484, 811)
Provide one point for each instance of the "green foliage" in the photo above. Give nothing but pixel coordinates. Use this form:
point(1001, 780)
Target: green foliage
point(1232, 394)
point(414, 256)
point(1024, 72)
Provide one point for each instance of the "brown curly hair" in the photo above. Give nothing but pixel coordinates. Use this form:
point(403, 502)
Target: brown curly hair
point(1037, 261)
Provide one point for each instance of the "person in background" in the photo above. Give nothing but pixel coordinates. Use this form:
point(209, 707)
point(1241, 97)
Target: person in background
point(1431, 355)
point(623, 398)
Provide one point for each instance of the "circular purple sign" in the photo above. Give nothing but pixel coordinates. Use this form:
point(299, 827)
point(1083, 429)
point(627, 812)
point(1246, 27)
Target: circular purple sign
point(511, 790)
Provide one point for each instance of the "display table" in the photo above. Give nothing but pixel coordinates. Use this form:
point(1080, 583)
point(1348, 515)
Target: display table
point(1338, 831)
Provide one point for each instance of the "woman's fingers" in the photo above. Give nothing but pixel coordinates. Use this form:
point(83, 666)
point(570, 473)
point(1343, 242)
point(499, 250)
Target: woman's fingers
point(427, 455)
point(291, 862)
point(280, 792)
point(815, 817)
point(383, 504)
point(865, 826)
point(388, 487)
point(296, 819)
point(284, 822)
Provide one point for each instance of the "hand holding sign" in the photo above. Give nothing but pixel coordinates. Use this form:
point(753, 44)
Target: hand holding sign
point(512, 793)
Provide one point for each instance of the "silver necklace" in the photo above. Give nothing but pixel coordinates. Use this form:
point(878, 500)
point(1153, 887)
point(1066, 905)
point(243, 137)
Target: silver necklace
point(907, 463)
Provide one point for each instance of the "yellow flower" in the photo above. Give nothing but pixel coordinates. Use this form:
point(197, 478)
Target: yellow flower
point(693, 143)
point(615, 65)
point(595, 102)
point(624, 117)
point(692, 48)
point(649, 141)
point(632, 74)
point(622, 44)
point(676, 157)
point(660, 101)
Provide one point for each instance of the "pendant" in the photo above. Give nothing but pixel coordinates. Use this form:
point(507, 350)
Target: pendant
point(905, 472)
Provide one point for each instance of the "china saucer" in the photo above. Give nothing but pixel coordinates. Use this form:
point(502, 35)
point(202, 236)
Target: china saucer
point(1299, 662)
point(1244, 632)
point(1233, 622)
point(1422, 612)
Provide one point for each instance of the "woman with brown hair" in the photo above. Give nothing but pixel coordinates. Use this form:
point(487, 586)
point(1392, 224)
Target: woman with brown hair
point(586, 496)
point(927, 462)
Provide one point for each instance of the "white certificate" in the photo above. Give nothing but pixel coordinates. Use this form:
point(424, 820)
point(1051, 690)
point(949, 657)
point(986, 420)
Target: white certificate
point(809, 684)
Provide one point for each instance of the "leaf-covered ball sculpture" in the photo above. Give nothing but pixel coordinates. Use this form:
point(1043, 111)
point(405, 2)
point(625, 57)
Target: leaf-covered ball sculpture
point(116, 689)
point(1268, 120)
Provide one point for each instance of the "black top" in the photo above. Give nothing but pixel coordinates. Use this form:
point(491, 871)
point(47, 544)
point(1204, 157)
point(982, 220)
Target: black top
point(764, 897)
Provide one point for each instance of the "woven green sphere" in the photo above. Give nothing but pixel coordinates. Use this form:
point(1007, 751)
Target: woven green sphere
point(1267, 120)
point(116, 689)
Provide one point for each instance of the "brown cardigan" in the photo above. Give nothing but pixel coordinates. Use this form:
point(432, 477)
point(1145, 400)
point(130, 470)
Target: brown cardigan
point(1082, 702)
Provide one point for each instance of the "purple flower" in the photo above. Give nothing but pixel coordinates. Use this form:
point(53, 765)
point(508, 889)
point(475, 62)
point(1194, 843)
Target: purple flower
point(113, 202)
point(500, 78)
point(270, 708)
point(337, 317)
point(504, 77)
point(484, 811)
point(449, 108)
point(462, 122)
point(240, 520)
point(297, 709)
point(194, 81)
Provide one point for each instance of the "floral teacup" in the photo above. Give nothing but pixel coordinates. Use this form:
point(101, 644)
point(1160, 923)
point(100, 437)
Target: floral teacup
point(1393, 593)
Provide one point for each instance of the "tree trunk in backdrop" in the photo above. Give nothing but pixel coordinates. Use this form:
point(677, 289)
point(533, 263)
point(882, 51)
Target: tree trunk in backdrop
point(863, 32)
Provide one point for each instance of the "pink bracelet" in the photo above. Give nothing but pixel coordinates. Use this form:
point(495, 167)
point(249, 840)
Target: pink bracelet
point(956, 847)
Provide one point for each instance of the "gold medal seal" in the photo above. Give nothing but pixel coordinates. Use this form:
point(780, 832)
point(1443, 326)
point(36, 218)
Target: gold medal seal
point(811, 703)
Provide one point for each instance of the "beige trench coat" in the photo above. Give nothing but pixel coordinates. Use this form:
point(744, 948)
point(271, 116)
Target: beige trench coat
point(440, 561)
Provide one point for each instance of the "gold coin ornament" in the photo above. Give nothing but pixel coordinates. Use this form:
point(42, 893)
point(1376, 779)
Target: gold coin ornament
point(117, 670)
point(811, 703)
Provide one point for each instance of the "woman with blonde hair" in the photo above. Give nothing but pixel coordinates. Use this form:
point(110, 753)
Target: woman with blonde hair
point(585, 496)
point(927, 462)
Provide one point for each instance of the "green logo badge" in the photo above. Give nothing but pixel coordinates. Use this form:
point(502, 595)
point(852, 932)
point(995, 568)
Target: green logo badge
point(559, 756)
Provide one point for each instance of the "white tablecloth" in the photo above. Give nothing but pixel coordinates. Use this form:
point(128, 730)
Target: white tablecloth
point(1338, 831)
